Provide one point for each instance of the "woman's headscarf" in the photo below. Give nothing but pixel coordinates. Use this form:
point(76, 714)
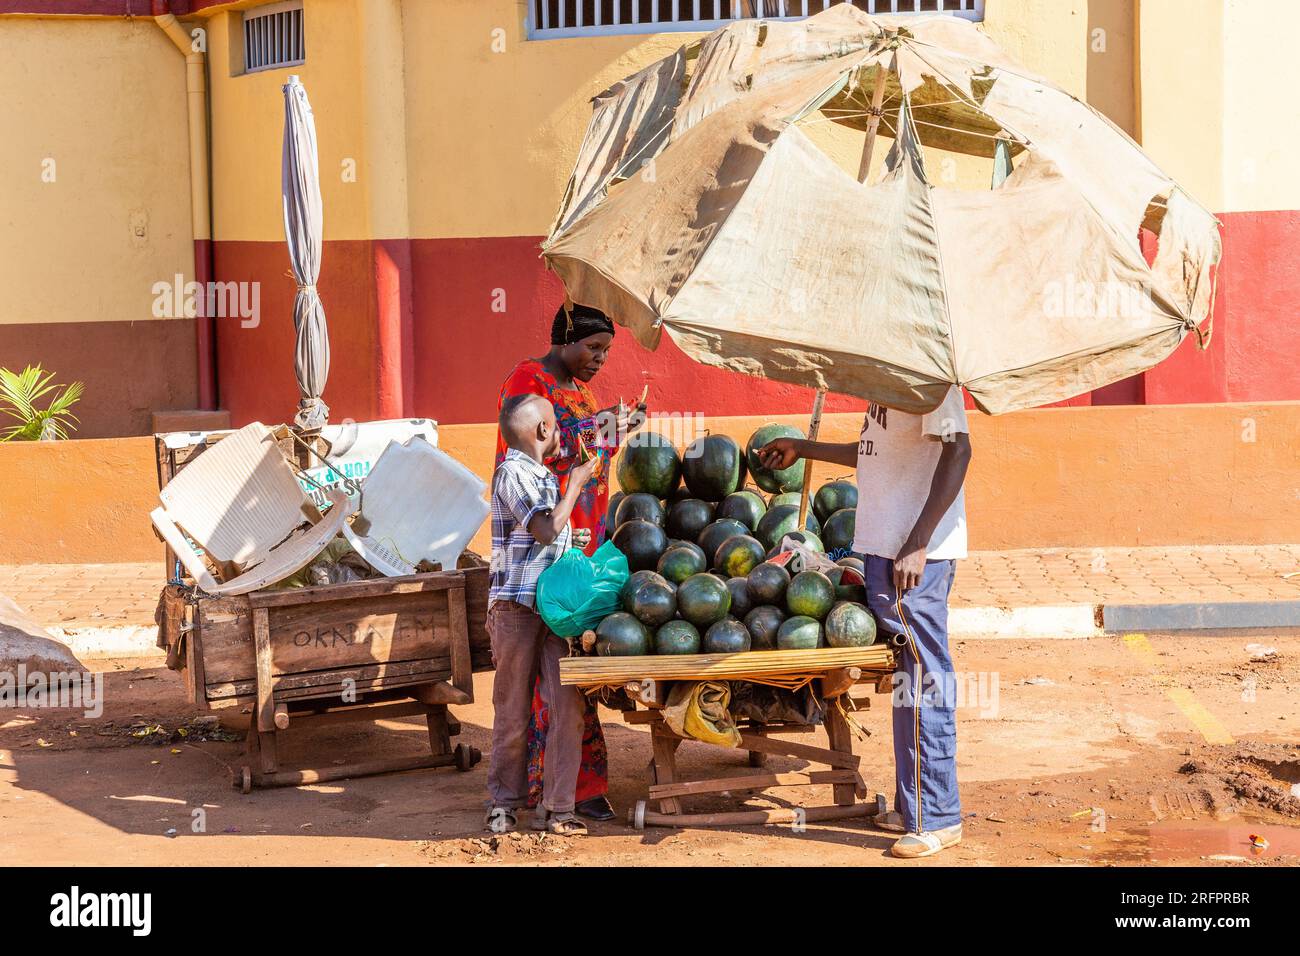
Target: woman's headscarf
point(578, 323)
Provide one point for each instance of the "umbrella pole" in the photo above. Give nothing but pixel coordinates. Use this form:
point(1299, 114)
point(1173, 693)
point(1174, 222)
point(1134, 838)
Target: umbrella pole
point(877, 98)
point(814, 425)
point(873, 123)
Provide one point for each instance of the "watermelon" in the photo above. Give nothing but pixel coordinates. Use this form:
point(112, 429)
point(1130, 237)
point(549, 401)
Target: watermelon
point(837, 532)
point(689, 546)
point(711, 538)
point(649, 463)
point(764, 624)
point(687, 518)
point(834, 496)
point(850, 625)
point(810, 594)
point(642, 542)
point(747, 507)
point(738, 555)
point(780, 521)
point(799, 633)
point(845, 590)
point(726, 637)
point(611, 512)
point(621, 635)
point(654, 603)
point(643, 506)
point(767, 584)
point(852, 562)
point(678, 564)
point(634, 581)
point(703, 599)
point(741, 603)
point(787, 479)
point(785, 498)
point(713, 467)
point(677, 637)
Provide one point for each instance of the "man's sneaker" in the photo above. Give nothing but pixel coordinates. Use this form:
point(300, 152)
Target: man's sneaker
point(913, 846)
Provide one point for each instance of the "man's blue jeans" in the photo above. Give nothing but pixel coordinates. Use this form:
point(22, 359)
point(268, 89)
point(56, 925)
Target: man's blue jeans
point(924, 709)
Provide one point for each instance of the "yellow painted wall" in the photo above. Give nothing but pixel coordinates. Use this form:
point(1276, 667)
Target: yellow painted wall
point(514, 120)
point(1261, 111)
point(484, 138)
point(248, 122)
point(105, 101)
point(1182, 92)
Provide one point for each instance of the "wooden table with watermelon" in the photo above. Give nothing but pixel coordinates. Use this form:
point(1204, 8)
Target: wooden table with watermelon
point(727, 587)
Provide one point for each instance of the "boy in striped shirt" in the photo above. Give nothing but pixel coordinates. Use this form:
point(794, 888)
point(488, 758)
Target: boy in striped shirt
point(530, 530)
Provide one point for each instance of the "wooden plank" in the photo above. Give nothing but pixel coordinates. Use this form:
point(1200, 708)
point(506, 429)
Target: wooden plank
point(330, 682)
point(586, 671)
point(742, 818)
point(753, 781)
point(789, 749)
point(369, 712)
point(262, 640)
point(841, 740)
point(339, 634)
point(440, 694)
point(838, 681)
point(358, 590)
point(462, 676)
point(296, 778)
point(665, 763)
point(439, 735)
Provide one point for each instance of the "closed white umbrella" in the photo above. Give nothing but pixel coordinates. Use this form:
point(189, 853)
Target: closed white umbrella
point(303, 218)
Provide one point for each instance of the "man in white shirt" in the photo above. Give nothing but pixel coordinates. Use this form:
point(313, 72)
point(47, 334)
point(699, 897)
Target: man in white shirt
point(910, 531)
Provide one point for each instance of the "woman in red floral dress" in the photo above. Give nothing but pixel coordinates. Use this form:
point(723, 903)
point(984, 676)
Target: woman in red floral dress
point(580, 343)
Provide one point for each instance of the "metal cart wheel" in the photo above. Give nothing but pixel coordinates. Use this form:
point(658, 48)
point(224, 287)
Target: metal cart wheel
point(466, 757)
point(636, 815)
point(245, 782)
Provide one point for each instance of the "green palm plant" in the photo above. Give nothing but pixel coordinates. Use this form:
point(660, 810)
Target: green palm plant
point(19, 394)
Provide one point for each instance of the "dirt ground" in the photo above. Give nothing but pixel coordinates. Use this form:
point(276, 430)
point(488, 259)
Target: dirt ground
point(1140, 751)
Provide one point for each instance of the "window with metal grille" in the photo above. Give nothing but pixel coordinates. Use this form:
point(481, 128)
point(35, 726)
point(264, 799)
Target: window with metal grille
point(273, 37)
point(556, 19)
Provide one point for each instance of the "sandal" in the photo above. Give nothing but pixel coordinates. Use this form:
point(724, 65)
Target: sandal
point(891, 821)
point(913, 846)
point(500, 820)
point(559, 824)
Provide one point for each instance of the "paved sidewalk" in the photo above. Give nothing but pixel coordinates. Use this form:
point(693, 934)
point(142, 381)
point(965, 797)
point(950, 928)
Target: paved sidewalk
point(95, 596)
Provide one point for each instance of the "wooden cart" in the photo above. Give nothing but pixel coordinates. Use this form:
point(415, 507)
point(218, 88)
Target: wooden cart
point(831, 681)
point(363, 650)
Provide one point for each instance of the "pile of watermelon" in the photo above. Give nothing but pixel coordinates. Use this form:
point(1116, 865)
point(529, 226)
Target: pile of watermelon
point(700, 546)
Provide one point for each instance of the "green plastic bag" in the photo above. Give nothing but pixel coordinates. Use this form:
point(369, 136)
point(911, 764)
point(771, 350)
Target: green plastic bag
point(577, 592)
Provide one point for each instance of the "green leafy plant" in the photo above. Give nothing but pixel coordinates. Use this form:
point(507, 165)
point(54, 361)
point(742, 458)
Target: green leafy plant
point(20, 395)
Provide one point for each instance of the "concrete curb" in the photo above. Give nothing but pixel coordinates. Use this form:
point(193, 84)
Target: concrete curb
point(1195, 617)
point(121, 640)
point(1026, 623)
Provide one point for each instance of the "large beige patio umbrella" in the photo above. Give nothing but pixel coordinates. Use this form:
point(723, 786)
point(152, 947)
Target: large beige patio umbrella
point(699, 204)
point(303, 229)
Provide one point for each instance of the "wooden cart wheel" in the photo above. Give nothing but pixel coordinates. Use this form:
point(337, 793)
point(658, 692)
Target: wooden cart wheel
point(636, 815)
point(466, 757)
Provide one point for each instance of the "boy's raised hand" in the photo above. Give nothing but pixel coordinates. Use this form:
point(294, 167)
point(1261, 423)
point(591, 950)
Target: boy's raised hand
point(582, 472)
point(581, 537)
